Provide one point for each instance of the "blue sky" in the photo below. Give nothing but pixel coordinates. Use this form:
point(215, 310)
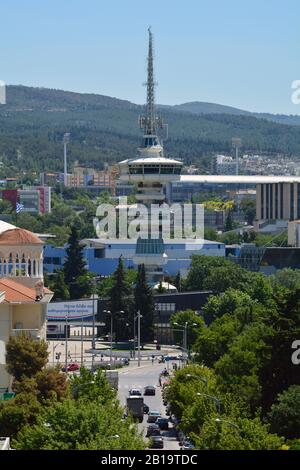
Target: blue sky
point(242, 53)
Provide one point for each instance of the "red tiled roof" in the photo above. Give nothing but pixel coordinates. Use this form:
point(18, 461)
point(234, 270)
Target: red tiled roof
point(19, 236)
point(17, 292)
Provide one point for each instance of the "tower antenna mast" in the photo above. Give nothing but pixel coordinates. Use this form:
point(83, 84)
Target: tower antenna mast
point(150, 122)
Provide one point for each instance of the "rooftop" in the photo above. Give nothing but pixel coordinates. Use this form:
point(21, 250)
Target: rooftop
point(5, 226)
point(17, 292)
point(151, 160)
point(19, 236)
point(244, 179)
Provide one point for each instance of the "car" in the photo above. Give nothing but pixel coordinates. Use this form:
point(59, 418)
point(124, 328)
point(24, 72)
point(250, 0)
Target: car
point(125, 361)
point(157, 442)
point(163, 423)
point(188, 445)
point(152, 416)
point(153, 430)
point(146, 409)
point(171, 358)
point(149, 390)
point(71, 367)
point(135, 392)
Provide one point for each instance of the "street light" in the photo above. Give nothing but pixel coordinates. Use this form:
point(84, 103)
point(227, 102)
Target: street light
point(111, 330)
point(138, 317)
point(54, 347)
point(215, 399)
point(219, 421)
point(203, 379)
point(184, 330)
point(94, 284)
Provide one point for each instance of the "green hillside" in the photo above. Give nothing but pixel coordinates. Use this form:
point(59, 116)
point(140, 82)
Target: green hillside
point(105, 129)
point(199, 107)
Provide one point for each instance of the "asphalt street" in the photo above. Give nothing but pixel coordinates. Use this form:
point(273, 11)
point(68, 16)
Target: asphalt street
point(140, 377)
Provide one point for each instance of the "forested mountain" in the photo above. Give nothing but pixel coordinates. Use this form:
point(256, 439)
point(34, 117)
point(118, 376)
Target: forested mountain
point(199, 107)
point(105, 129)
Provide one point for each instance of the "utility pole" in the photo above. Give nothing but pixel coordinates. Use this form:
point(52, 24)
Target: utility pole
point(66, 342)
point(81, 340)
point(236, 144)
point(66, 140)
point(111, 335)
point(139, 338)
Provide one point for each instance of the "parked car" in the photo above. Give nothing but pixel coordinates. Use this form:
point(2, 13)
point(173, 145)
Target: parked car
point(153, 430)
point(71, 367)
point(135, 392)
point(157, 442)
point(146, 409)
point(188, 445)
point(163, 423)
point(152, 416)
point(149, 390)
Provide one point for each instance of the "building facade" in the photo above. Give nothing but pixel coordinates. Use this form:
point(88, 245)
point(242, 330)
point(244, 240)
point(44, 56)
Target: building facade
point(23, 297)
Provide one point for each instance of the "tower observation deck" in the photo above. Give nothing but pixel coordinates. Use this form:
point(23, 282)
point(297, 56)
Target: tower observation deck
point(150, 170)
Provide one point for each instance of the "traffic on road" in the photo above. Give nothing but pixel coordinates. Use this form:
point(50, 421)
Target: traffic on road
point(141, 391)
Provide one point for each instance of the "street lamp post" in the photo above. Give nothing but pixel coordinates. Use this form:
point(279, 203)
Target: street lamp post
point(111, 330)
point(139, 338)
point(108, 312)
point(184, 330)
point(138, 317)
point(219, 421)
point(215, 399)
point(198, 377)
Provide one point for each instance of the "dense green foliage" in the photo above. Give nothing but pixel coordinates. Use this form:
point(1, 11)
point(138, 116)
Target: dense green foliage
point(193, 395)
point(54, 413)
point(252, 322)
point(285, 413)
point(103, 129)
point(25, 357)
point(91, 419)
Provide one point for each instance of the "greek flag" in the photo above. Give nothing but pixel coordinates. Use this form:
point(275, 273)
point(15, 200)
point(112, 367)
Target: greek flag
point(19, 207)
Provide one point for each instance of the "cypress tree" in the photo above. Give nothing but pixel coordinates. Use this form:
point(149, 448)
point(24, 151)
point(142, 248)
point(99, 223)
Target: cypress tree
point(178, 282)
point(75, 272)
point(119, 301)
point(229, 222)
point(144, 302)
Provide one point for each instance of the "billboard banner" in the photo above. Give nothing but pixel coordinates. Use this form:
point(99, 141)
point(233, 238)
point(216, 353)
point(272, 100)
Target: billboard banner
point(72, 310)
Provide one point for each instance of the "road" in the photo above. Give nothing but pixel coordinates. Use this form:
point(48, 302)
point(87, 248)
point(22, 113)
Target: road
point(139, 377)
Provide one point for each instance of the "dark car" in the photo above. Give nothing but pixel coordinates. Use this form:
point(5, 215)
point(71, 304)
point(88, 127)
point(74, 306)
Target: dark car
point(157, 442)
point(153, 430)
point(146, 409)
point(152, 416)
point(163, 423)
point(149, 390)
